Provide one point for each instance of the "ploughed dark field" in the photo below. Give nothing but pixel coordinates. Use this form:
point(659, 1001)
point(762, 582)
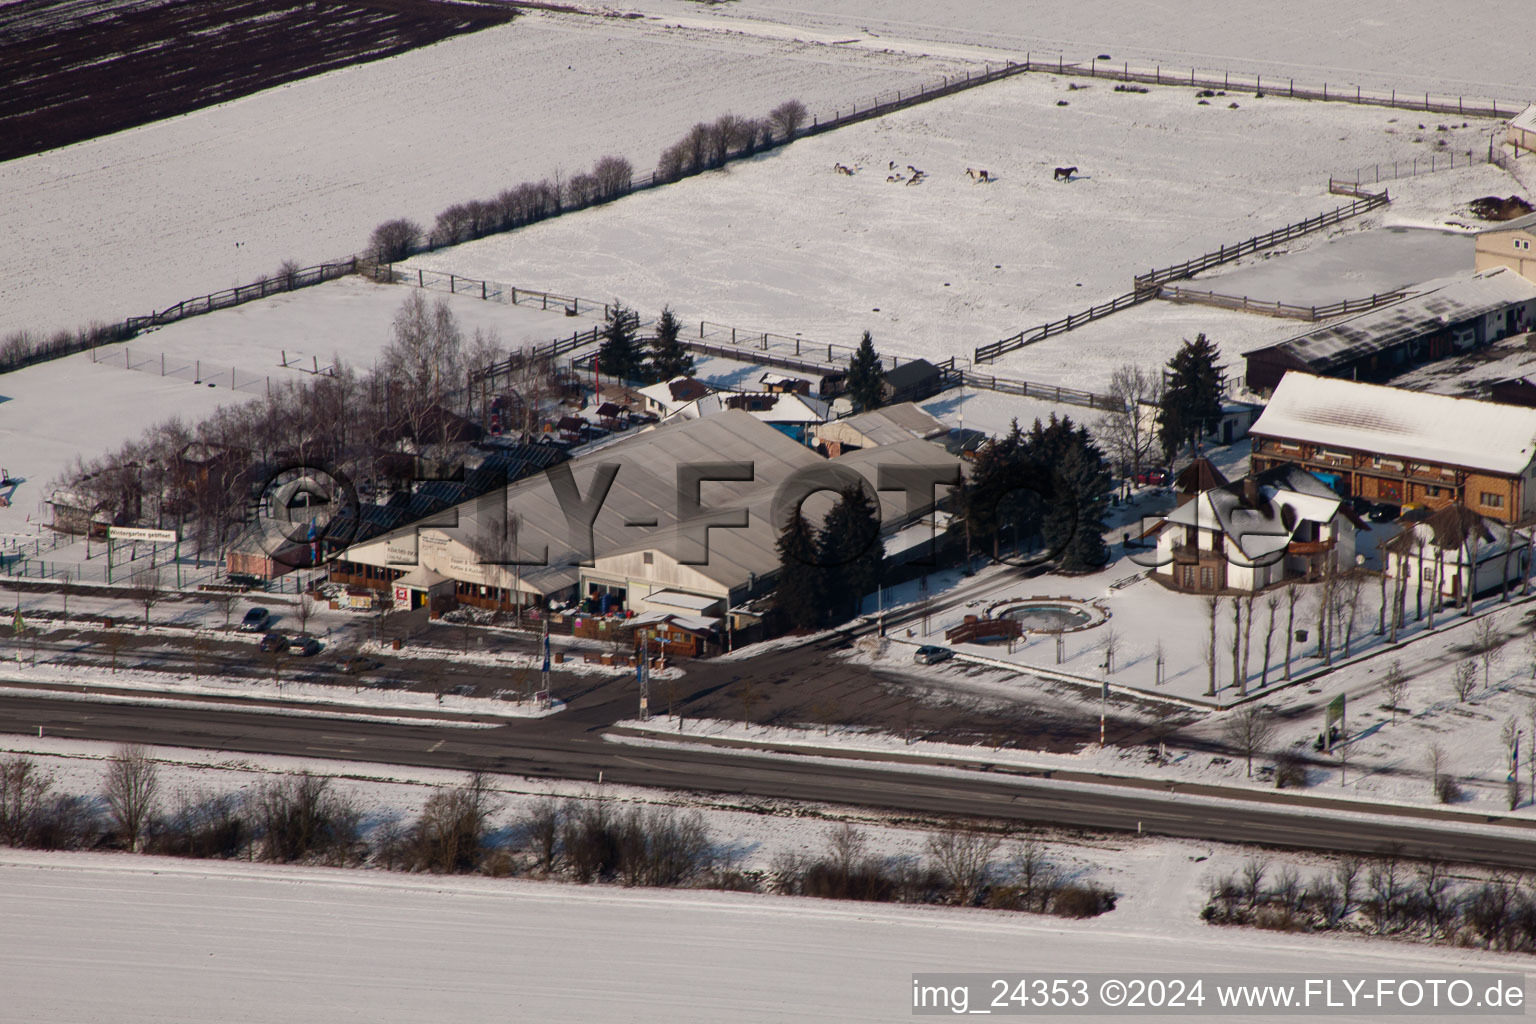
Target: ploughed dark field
point(77, 69)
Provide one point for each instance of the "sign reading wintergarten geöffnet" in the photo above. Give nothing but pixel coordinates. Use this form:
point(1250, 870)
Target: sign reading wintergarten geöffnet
point(141, 533)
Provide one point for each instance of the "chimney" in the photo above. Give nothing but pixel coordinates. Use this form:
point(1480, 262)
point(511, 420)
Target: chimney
point(1251, 491)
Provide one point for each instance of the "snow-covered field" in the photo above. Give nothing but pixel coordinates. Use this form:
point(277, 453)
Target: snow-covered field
point(135, 938)
point(1414, 45)
point(784, 243)
point(142, 219)
point(93, 937)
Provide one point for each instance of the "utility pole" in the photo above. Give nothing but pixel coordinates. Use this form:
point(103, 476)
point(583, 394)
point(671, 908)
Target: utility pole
point(643, 677)
point(544, 674)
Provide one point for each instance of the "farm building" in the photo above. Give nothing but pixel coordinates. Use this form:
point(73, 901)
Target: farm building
point(912, 381)
point(640, 559)
point(888, 425)
point(782, 383)
point(1522, 130)
point(1511, 244)
point(1454, 548)
point(1402, 447)
point(1448, 315)
point(667, 397)
point(1280, 524)
point(791, 414)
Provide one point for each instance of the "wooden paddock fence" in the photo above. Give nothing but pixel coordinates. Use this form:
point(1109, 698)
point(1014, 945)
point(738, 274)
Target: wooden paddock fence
point(1244, 304)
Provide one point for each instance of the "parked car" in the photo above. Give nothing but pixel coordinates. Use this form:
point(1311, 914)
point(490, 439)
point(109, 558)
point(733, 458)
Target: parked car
point(255, 620)
point(304, 645)
point(1383, 513)
point(357, 664)
point(274, 642)
point(932, 654)
point(1153, 477)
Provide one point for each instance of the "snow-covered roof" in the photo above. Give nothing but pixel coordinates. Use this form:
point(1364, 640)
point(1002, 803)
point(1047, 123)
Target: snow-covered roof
point(1402, 424)
point(692, 623)
point(893, 424)
point(1260, 528)
point(1525, 120)
point(679, 599)
point(781, 407)
point(421, 578)
point(669, 394)
point(1437, 305)
point(1526, 223)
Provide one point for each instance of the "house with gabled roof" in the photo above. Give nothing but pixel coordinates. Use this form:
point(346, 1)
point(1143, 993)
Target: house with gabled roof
point(1511, 244)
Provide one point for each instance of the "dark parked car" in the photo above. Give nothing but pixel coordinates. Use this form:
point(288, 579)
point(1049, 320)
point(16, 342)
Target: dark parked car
point(1383, 513)
point(274, 642)
point(932, 654)
point(255, 620)
point(305, 646)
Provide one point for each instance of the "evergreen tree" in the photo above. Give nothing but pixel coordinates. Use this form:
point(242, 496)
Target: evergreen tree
point(800, 595)
point(620, 354)
point(1073, 521)
point(1191, 405)
point(851, 553)
point(866, 375)
point(668, 356)
point(992, 502)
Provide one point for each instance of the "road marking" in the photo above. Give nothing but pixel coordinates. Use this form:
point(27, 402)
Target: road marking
point(642, 764)
point(433, 748)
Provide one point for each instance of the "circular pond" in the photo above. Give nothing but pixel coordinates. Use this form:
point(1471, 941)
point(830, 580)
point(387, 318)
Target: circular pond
point(1049, 615)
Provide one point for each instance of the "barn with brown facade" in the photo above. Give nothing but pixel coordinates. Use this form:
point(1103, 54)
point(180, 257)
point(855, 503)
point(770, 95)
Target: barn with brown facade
point(1402, 447)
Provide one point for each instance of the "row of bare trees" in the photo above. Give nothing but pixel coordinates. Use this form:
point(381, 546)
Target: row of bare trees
point(706, 146)
point(377, 427)
point(1383, 895)
point(964, 866)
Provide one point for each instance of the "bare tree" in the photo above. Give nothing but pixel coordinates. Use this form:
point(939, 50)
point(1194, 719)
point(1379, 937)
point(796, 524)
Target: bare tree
point(1212, 608)
point(1510, 736)
point(1237, 645)
point(787, 118)
point(1345, 753)
point(846, 849)
point(1111, 646)
point(132, 785)
point(225, 602)
point(612, 176)
point(1488, 645)
point(749, 696)
point(1272, 605)
point(1464, 680)
point(1347, 874)
point(1434, 758)
point(394, 240)
point(23, 791)
point(148, 590)
point(1250, 729)
point(421, 367)
point(1031, 871)
point(304, 610)
point(964, 857)
point(1247, 639)
point(1127, 431)
point(1346, 603)
point(1396, 686)
point(115, 640)
point(1292, 595)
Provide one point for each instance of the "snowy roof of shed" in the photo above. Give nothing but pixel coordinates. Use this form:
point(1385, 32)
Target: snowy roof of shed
point(1526, 223)
point(1437, 305)
point(1526, 119)
point(1404, 424)
point(894, 423)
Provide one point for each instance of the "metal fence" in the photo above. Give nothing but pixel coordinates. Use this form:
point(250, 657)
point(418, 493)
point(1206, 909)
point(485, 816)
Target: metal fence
point(1377, 173)
point(1247, 82)
point(491, 291)
point(194, 371)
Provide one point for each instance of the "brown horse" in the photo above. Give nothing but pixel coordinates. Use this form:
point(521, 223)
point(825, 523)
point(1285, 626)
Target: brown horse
point(1064, 173)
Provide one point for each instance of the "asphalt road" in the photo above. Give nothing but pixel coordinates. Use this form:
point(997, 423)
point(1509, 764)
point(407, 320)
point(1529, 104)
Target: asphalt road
point(551, 749)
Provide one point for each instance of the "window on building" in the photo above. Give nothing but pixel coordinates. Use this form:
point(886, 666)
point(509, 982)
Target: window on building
point(1491, 500)
point(650, 558)
point(1427, 574)
point(1431, 491)
point(1207, 578)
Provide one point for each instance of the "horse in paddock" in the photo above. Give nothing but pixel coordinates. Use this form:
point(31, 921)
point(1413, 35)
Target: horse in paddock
point(843, 169)
point(1064, 173)
point(980, 177)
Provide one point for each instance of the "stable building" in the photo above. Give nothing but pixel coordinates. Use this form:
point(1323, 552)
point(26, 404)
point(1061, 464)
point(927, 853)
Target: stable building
point(1511, 244)
point(890, 424)
point(1402, 447)
point(1445, 316)
point(1522, 130)
point(527, 544)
